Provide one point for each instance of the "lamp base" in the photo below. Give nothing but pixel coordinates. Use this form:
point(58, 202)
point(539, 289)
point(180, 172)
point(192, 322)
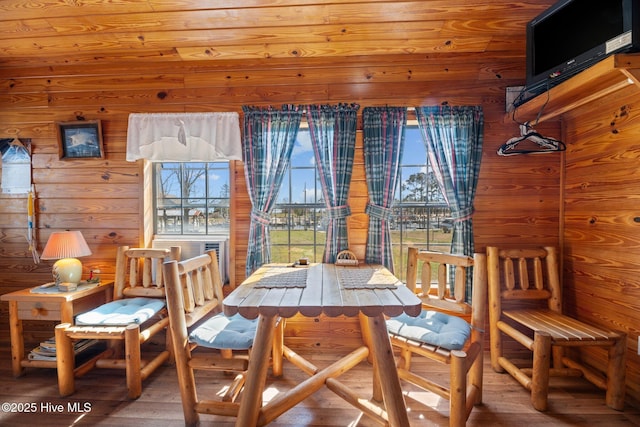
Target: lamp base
point(66, 286)
point(67, 270)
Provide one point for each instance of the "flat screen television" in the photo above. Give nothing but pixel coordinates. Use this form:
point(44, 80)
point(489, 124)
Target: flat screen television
point(572, 35)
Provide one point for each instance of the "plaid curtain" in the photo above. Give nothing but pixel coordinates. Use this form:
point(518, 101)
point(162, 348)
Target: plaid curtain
point(454, 136)
point(268, 139)
point(333, 135)
point(383, 144)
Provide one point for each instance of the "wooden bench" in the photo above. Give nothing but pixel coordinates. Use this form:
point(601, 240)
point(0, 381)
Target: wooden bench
point(519, 277)
point(134, 286)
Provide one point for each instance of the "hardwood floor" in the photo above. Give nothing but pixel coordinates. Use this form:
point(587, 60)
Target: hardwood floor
point(100, 399)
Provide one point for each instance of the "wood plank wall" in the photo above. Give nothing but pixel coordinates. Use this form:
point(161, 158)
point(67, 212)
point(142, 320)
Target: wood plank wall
point(601, 220)
point(518, 199)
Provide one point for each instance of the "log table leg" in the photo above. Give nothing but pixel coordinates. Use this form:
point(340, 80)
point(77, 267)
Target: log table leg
point(385, 364)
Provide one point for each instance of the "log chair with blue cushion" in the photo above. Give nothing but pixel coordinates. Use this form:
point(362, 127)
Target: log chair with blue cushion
point(448, 330)
point(204, 338)
point(137, 313)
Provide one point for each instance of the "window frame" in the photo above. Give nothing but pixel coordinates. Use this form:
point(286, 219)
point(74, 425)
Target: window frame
point(209, 201)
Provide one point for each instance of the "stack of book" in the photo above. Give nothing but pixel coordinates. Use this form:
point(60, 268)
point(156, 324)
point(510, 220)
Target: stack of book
point(47, 349)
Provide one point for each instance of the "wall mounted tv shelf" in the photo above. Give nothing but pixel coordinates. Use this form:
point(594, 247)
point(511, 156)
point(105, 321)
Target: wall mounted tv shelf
point(610, 75)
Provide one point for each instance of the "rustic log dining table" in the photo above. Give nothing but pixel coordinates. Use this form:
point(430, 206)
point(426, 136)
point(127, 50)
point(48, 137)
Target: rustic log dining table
point(277, 291)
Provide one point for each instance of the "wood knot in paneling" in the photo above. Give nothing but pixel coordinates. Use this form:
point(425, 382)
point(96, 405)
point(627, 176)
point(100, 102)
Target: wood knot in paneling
point(619, 116)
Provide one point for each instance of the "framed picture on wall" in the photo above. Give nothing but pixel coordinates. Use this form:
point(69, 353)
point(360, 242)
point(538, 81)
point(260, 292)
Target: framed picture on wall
point(80, 140)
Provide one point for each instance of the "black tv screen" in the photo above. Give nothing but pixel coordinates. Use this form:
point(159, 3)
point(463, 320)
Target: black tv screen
point(574, 29)
point(574, 34)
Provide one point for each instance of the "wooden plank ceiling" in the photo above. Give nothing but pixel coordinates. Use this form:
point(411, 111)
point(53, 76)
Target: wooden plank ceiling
point(487, 38)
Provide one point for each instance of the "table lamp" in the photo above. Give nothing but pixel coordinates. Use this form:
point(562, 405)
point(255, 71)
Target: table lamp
point(65, 247)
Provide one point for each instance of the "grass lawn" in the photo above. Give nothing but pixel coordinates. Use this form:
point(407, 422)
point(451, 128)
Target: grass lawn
point(302, 245)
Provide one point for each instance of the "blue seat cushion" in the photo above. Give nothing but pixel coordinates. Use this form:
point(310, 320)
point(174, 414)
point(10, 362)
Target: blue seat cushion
point(220, 332)
point(432, 327)
point(122, 312)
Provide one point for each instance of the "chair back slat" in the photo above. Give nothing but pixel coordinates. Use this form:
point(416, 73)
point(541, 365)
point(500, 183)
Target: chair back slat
point(198, 286)
point(135, 268)
point(442, 279)
point(210, 292)
point(509, 275)
point(524, 273)
point(133, 272)
point(189, 297)
point(539, 276)
point(460, 284)
point(157, 267)
point(412, 270)
point(147, 278)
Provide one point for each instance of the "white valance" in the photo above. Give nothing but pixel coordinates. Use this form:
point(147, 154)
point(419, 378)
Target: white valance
point(182, 137)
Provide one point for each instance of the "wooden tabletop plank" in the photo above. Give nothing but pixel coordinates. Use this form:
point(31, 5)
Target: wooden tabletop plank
point(408, 300)
point(311, 298)
point(392, 301)
point(350, 303)
point(249, 307)
point(290, 303)
point(388, 299)
point(270, 304)
point(369, 302)
point(233, 300)
point(332, 300)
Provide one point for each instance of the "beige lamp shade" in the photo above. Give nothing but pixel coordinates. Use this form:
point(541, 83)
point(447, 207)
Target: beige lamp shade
point(66, 246)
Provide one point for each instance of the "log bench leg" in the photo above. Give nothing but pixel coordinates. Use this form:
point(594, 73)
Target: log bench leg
point(65, 360)
point(540, 375)
point(616, 374)
point(132, 360)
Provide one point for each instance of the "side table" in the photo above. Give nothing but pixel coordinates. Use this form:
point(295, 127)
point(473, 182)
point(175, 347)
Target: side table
point(40, 303)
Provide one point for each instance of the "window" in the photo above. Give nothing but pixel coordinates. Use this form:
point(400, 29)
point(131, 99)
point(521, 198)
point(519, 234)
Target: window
point(298, 222)
point(191, 198)
point(421, 215)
